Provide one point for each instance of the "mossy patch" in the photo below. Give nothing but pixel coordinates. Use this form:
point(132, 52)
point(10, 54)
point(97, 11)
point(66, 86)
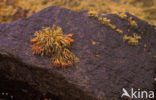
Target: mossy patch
point(106, 22)
point(132, 22)
point(93, 13)
point(119, 31)
point(52, 42)
point(103, 20)
point(122, 15)
point(132, 40)
point(24, 8)
point(93, 43)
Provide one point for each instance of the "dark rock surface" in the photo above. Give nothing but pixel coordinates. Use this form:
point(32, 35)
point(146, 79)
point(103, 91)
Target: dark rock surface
point(118, 65)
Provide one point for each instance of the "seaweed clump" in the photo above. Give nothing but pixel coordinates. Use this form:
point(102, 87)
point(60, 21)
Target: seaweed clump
point(52, 42)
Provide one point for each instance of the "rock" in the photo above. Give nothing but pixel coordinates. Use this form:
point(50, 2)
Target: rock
point(118, 65)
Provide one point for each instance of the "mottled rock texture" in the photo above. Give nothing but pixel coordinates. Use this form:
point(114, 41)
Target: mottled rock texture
point(104, 68)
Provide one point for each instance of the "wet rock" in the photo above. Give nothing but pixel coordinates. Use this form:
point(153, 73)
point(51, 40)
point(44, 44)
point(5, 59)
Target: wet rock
point(104, 68)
